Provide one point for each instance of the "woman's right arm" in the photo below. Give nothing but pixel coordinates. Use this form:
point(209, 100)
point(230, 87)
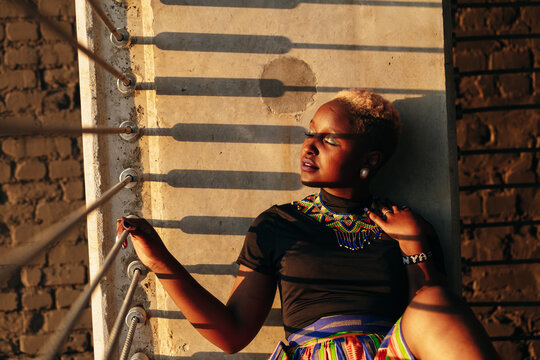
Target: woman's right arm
point(229, 326)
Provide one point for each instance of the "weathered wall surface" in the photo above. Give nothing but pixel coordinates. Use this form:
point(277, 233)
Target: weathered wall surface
point(225, 90)
point(507, 282)
point(40, 180)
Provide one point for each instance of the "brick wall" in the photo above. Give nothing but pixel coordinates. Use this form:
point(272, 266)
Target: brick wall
point(40, 180)
point(507, 289)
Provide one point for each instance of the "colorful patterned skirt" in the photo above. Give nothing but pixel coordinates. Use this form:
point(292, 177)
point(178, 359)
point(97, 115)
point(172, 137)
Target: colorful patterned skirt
point(346, 337)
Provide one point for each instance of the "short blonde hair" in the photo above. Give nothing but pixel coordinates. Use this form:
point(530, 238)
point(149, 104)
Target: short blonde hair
point(373, 117)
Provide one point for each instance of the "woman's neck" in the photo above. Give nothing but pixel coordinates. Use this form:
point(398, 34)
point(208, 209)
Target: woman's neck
point(360, 194)
point(343, 205)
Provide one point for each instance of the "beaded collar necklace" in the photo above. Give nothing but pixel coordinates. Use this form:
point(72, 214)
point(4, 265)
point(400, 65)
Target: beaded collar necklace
point(352, 231)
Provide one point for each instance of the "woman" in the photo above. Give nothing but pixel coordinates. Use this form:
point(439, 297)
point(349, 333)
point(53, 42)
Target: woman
point(358, 279)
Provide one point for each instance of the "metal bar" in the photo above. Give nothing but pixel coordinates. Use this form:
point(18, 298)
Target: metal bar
point(129, 339)
point(492, 37)
point(496, 4)
point(514, 337)
point(498, 151)
point(105, 19)
point(497, 72)
point(501, 108)
point(115, 332)
point(21, 255)
point(499, 186)
point(501, 262)
point(51, 348)
point(14, 130)
point(31, 8)
point(501, 224)
point(503, 303)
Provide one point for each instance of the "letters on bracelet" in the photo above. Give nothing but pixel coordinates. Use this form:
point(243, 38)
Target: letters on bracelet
point(417, 258)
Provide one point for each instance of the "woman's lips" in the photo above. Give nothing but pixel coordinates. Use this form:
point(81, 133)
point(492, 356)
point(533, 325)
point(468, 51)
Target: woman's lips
point(308, 165)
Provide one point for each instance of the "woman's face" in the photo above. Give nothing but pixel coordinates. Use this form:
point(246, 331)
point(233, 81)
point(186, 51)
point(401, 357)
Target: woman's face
point(331, 155)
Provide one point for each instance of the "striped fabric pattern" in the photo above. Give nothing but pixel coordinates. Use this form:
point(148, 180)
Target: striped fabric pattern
point(346, 343)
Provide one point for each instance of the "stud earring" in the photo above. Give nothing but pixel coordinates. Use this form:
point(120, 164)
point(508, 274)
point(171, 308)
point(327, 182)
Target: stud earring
point(364, 172)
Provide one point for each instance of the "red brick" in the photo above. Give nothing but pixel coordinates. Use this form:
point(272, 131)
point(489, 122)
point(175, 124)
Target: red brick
point(30, 170)
point(30, 192)
point(24, 233)
point(31, 344)
point(49, 34)
point(37, 146)
point(30, 276)
point(57, 54)
point(21, 31)
point(10, 9)
point(521, 170)
point(64, 169)
point(76, 342)
point(61, 77)
point(470, 60)
point(514, 85)
point(498, 18)
point(21, 56)
point(55, 101)
point(531, 17)
point(16, 214)
point(68, 253)
point(11, 323)
point(57, 8)
point(5, 172)
point(65, 296)
point(469, 18)
point(17, 101)
point(52, 212)
point(497, 204)
point(507, 59)
point(53, 318)
point(36, 299)
point(73, 190)
point(83, 356)
point(63, 146)
point(62, 118)
point(65, 275)
point(470, 205)
point(18, 79)
point(8, 301)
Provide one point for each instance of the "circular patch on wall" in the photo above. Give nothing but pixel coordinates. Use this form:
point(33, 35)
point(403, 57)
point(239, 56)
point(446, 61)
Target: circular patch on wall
point(287, 85)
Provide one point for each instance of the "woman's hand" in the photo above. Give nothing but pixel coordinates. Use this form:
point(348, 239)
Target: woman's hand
point(146, 241)
point(411, 231)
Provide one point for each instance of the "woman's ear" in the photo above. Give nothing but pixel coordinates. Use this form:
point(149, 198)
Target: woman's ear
point(374, 159)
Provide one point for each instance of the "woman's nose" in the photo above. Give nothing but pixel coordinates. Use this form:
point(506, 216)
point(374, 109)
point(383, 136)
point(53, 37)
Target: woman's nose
point(310, 146)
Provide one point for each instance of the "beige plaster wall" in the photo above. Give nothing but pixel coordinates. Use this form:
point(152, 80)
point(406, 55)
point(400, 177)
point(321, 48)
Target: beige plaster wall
point(225, 89)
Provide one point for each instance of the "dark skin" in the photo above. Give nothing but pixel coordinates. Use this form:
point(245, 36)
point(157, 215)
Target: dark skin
point(435, 324)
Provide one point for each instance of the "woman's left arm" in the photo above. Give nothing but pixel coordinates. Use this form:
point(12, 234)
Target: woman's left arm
point(418, 242)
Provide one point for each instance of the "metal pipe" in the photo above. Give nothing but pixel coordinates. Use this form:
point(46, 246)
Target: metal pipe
point(14, 130)
point(31, 8)
point(129, 338)
point(21, 255)
point(105, 19)
point(115, 332)
point(51, 348)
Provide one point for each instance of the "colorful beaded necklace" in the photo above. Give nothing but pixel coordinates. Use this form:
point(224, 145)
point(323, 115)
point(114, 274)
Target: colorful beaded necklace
point(353, 231)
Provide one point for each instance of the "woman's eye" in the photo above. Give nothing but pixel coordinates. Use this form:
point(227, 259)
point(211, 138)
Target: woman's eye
point(330, 139)
point(309, 133)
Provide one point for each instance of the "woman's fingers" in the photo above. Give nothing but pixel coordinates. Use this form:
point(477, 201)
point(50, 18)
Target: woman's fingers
point(376, 218)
